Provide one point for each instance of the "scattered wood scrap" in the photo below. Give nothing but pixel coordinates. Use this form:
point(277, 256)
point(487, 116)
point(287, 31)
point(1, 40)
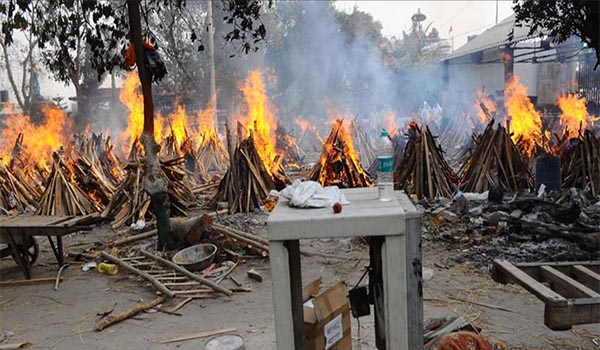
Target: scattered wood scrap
point(28, 282)
point(199, 335)
point(255, 275)
point(112, 319)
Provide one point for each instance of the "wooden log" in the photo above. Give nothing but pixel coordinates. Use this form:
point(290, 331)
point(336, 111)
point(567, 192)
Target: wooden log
point(251, 236)
point(198, 335)
point(255, 275)
point(190, 231)
point(112, 319)
point(135, 238)
point(183, 271)
point(161, 287)
point(181, 304)
point(58, 276)
point(264, 250)
point(32, 281)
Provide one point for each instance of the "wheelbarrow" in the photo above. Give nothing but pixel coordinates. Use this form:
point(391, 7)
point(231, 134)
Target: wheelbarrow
point(27, 244)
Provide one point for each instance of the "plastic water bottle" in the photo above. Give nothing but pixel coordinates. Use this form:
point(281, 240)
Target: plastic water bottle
point(385, 171)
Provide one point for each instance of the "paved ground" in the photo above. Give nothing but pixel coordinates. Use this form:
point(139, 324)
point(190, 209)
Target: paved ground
point(64, 319)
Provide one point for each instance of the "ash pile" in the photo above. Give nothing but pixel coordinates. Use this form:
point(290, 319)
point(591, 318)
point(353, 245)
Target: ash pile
point(478, 228)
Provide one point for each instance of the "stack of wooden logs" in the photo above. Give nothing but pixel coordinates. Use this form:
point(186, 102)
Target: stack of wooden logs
point(309, 139)
point(89, 173)
point(248, 181)
point(581, 163)
point(292, 155)
point(17, 194)
point(496, 161)
point(130, 201)
point(339, 164)
point(212, 153)
point(363, 144)
point(62, 195)
point(424, 171)
point(99, 151)
point(180, 185)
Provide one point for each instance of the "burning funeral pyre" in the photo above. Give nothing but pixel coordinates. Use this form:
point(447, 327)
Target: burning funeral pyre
point(309, 138)
point(255, 167)
point(339, 164)
point(292, 155)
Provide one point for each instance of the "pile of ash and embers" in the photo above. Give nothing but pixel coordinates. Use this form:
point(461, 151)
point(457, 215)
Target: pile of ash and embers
point(562, 226)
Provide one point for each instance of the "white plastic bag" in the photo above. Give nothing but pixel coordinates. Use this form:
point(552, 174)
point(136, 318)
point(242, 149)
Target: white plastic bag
point(310, 194)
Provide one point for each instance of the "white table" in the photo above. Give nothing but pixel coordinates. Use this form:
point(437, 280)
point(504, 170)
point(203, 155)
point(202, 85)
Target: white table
point(365, 216)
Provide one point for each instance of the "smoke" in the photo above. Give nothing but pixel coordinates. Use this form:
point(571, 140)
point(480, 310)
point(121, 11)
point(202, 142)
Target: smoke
point(316, 58)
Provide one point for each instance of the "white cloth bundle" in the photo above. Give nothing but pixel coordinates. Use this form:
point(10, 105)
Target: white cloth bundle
point(310, 194)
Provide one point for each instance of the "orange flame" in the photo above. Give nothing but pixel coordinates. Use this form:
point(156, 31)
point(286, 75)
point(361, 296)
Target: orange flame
point(488, 104)
point(338, 152)
point(131, 97)
point(574, 113)
point(303, 124)
point(344, 133)
point(206, 124)
point(178, 122)
point(526, 122)
point(390, 120)
point(39, 141)
point(260, 117)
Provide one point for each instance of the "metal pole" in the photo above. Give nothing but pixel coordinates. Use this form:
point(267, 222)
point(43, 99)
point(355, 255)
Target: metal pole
point(496, 11)
point(211, 53)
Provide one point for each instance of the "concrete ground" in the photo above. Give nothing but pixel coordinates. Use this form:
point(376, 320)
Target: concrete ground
point(64, 319)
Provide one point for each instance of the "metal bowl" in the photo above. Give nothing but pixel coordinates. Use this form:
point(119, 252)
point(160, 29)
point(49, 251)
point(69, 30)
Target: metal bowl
point(196, 257)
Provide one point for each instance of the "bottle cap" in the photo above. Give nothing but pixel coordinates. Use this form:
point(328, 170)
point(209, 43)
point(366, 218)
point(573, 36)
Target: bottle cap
point(384, 133)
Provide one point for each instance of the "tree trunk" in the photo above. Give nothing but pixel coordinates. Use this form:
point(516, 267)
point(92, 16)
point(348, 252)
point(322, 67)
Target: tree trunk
point(211, 53)
point(155, 182)
point(11, 78)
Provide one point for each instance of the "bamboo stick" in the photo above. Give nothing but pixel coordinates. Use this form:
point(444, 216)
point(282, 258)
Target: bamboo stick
point(112, 319)
point(161, 287)
point(188, 274)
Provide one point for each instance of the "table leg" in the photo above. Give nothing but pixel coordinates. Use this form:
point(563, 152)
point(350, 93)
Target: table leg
point(293, 247)
point(395, 296)
point(20, 255)
point(282, 295)
point(57, 249)
point(61, 255)
point(53, 246)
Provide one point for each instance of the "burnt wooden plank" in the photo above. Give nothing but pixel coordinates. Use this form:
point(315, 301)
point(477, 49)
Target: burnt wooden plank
point(587, 277)
point(578, 311)
point(566, 285)
point(505, 272)
point(558, 263)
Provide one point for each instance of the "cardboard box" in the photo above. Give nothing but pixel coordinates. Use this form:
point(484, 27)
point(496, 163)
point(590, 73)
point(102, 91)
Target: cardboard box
point(326, 317)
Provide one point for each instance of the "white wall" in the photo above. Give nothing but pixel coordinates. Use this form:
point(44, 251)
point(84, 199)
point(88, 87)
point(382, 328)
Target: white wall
point(467, 79)
point(528, 76)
